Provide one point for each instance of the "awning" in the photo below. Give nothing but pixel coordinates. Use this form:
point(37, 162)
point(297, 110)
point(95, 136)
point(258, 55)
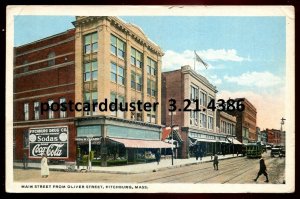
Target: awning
point(148, 144)
point(203, 140)
point(222, 141)
point(234, 141)
point(166, 133)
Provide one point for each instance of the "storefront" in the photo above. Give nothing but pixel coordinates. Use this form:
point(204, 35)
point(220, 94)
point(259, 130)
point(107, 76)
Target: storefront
point(207, 142)
point(119, 140)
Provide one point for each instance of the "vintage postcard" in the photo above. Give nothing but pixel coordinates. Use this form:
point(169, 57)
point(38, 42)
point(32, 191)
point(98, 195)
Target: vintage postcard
point(150, 99)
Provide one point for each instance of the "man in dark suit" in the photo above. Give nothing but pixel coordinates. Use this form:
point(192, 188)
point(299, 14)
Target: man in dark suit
point(262, 170)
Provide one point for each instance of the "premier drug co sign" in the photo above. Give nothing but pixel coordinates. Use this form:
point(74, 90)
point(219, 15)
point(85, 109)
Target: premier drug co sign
point(50, 140)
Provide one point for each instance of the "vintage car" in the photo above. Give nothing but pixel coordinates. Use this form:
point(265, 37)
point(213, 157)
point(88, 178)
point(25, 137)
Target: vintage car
point(282, 152)
point(275, 152)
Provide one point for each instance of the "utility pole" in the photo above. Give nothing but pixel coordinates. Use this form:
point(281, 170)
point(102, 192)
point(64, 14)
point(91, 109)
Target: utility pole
point(282, 123)
point(172, 138)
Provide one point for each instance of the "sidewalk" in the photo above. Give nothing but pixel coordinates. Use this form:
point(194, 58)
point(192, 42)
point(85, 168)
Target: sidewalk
point(135, 168)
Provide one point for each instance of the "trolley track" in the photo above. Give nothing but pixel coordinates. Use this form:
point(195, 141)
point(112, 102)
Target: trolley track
point(193, 172)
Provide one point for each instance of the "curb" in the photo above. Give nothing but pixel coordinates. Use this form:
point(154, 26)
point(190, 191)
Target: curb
point(127, 172)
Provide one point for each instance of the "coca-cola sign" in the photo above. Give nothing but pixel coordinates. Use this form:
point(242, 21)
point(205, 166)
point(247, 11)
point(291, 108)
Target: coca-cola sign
point(50, 140)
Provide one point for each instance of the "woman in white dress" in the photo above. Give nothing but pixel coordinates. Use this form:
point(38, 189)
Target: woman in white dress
point(44, 166)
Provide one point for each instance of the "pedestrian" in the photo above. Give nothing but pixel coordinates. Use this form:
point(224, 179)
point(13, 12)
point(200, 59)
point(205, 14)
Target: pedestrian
point(197, 153)
point(25, 161)
point(216, 162)
point(157, 156)
point(200, 155)
point(44, 166)
point(262, 170)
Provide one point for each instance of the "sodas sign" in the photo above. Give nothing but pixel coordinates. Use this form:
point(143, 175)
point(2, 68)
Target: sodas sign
point(50, 140)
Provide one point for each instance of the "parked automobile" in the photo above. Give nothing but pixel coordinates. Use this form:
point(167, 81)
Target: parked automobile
point(275, 151)
point(282, 152)
point(269, 147)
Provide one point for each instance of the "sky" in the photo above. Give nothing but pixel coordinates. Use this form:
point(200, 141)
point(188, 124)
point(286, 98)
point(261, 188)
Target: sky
point(245, 55)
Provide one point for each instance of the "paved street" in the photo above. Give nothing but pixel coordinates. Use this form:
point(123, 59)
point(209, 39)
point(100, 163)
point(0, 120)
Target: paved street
point(237, 170)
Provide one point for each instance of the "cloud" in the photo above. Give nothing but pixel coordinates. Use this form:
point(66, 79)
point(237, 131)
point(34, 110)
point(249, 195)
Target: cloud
point(174, 60)
point(221, 54)
point(269, 108)
point(257, 79)
point(214, 79)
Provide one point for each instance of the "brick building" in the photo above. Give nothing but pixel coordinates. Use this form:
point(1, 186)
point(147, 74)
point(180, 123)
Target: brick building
point(44, 72)
point(246, 122)
point(102, 60)
point(274, 136)
point(195, 127)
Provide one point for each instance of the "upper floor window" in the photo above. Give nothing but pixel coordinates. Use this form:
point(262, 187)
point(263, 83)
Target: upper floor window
point(136, 58)
point(203, 98)
point(120, 100)
point(136, 81)
point(51, 59)
point(151, 117)
point(117, 46)
point(151, 88)
point(117, 74)
point(203, 120)
point(36, 110)
point(90, 71)
point(210, 122)
point(62, 113)
point(50, 112)
point(90, 43)
point(194, 93)
point(26, 111)
point(151, 66)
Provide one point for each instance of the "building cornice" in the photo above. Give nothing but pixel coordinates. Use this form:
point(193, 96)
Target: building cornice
point(123, 26)
point(188, 70)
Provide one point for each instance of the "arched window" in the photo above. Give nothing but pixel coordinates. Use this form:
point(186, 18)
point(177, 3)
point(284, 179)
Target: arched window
point(51, 59)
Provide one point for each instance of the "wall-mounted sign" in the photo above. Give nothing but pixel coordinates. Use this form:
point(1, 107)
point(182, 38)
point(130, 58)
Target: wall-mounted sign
point(50, 140)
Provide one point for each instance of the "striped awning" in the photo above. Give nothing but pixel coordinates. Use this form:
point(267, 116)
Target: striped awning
point(146, 144)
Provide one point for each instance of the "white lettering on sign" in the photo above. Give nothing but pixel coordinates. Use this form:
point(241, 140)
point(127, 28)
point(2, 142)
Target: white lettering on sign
point(52, 150)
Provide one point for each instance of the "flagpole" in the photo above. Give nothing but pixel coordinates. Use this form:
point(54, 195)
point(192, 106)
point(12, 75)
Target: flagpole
point(194, 60)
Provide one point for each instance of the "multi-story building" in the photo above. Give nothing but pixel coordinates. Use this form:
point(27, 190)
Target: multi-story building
point(103, 61)
point(226, 126)
point(44, 73)
point(226, 123)
point(264, 137)
point(194, 126)
point(246, 122)
point(115, 60)
point(258, 134)
point(274, 136)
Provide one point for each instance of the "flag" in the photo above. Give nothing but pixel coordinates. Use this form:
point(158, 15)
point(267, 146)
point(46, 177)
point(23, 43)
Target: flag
point(198, 59)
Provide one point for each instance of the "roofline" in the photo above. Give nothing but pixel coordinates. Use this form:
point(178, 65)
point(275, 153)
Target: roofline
point(45, 38)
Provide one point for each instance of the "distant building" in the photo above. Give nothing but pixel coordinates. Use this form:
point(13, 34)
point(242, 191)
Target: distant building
point(274, 136)
point(195, 127)
point(258, 134)
point(246, 122)
point(264, 137)
point(282, 137)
